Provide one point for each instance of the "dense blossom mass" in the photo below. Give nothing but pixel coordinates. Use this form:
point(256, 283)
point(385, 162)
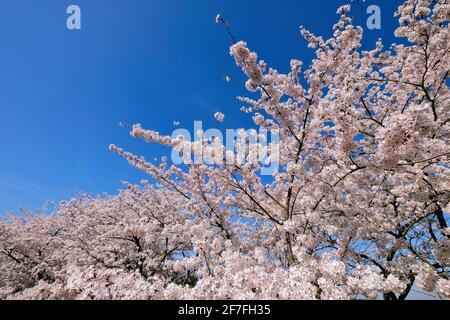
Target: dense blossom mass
point(358, 209)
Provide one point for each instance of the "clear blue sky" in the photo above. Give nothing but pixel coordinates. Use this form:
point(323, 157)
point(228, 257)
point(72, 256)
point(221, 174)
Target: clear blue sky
point(63, 93)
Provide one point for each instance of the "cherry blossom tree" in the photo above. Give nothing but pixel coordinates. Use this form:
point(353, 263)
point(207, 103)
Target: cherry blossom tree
point(358, 208)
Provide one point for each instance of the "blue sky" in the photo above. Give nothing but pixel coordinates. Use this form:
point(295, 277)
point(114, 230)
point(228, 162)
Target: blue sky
point(63, 93)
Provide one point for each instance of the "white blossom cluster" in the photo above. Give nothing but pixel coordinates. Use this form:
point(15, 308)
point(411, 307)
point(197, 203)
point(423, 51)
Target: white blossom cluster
point(219, 116)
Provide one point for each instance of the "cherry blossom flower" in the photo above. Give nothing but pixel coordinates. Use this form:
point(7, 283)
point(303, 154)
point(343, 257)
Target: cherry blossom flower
point(219, 116)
